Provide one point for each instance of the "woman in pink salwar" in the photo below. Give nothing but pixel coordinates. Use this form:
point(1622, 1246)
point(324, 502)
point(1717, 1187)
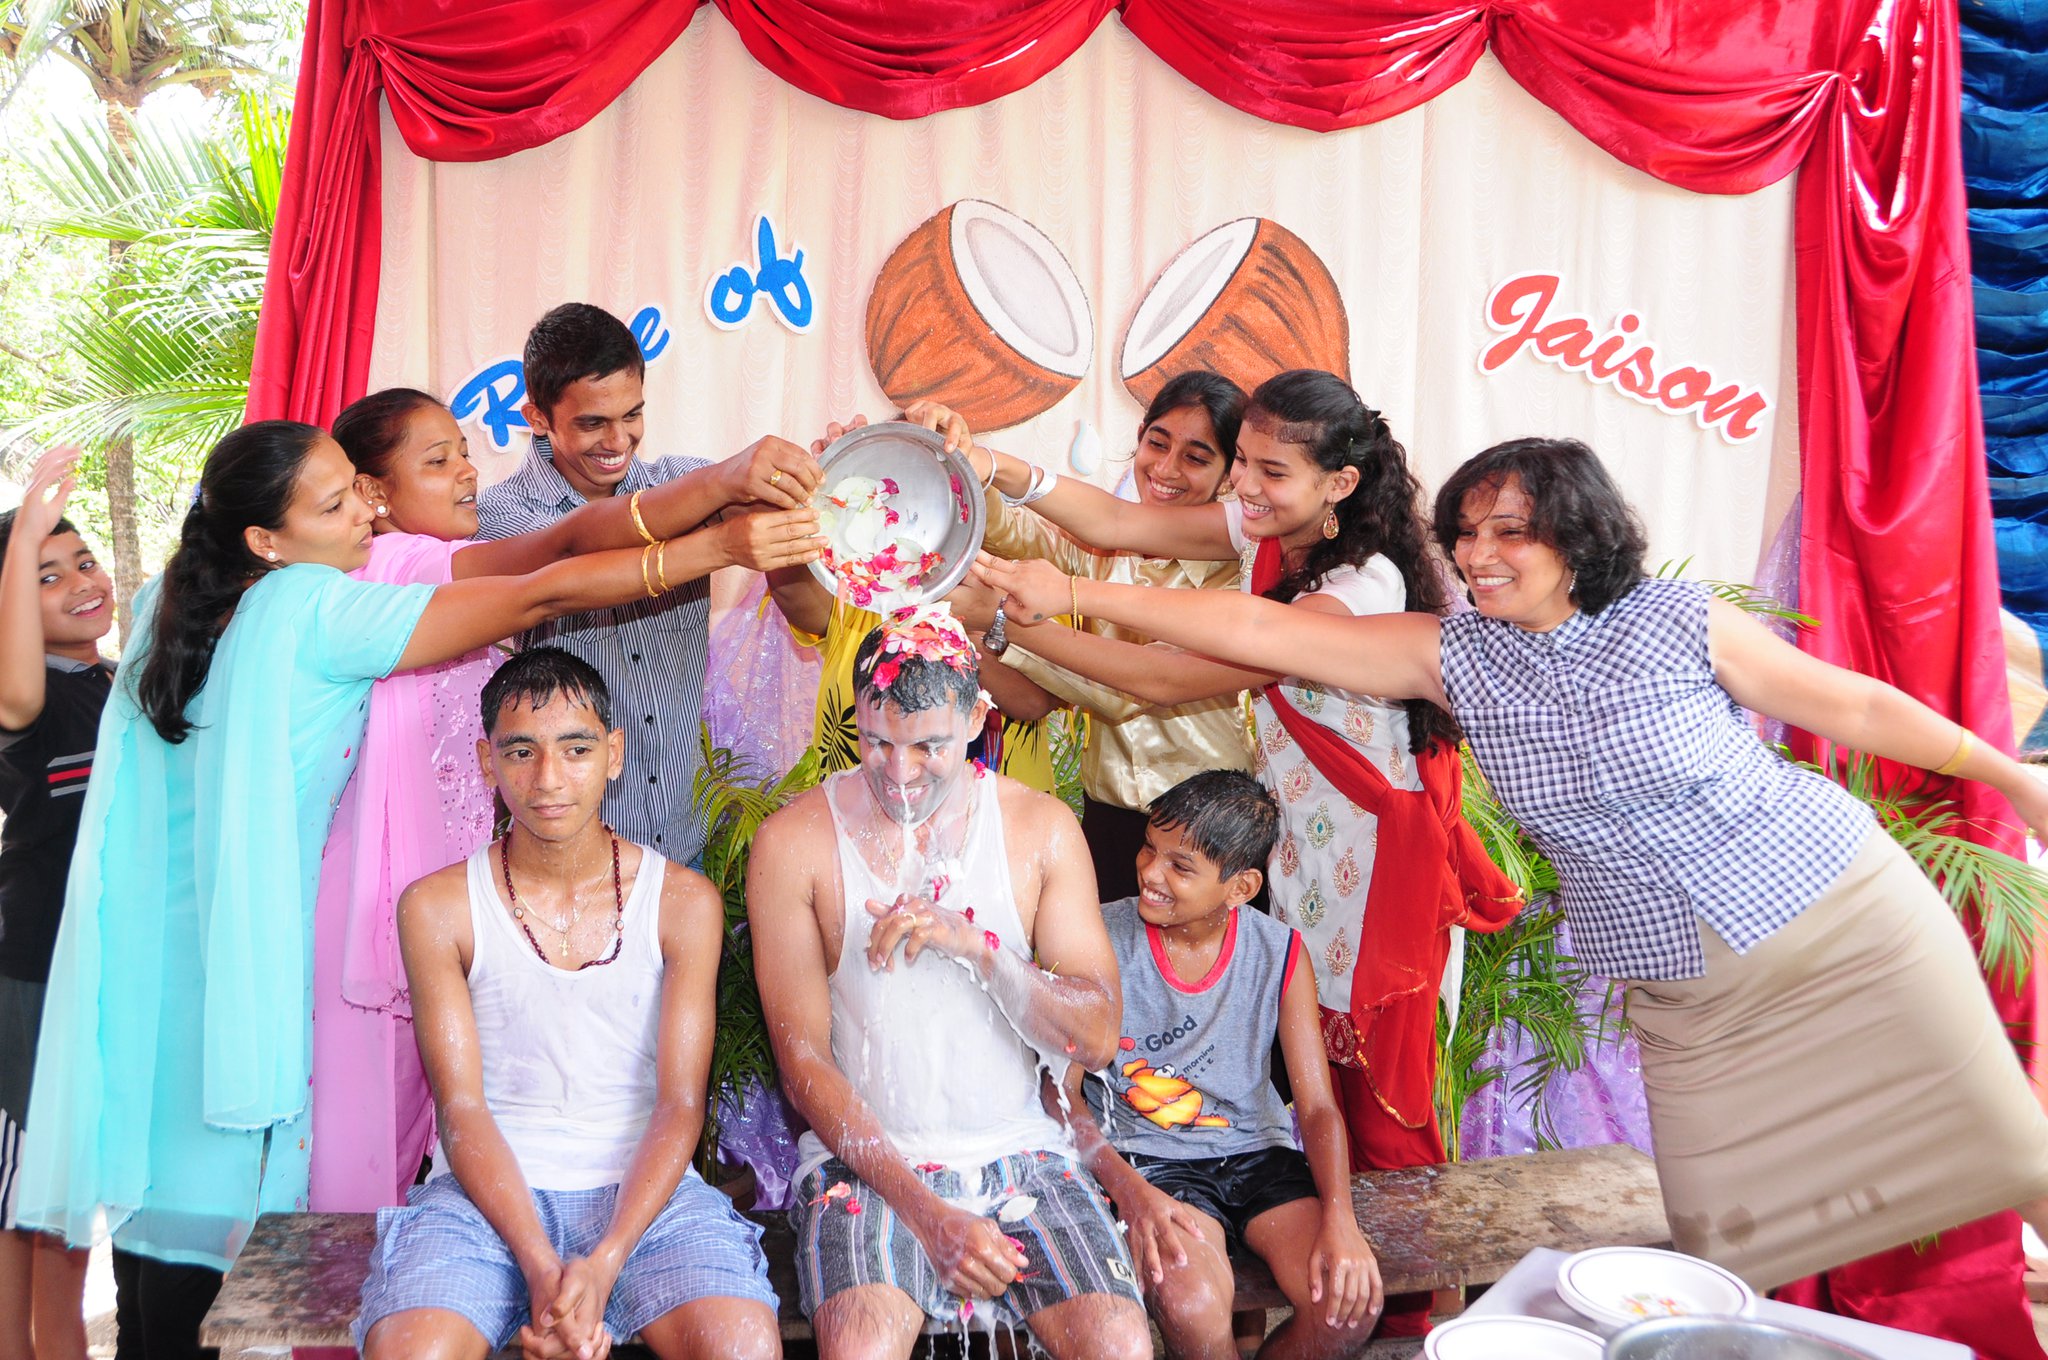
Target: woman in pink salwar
point(417, 801)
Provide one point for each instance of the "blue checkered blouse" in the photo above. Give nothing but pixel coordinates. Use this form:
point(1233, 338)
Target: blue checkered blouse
point(1610, 741)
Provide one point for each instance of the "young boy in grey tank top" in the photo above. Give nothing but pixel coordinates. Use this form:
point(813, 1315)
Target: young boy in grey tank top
point(1184, 1127)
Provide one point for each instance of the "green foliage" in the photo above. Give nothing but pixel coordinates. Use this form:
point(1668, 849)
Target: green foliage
point(128, 49)
point(165, 357)
point(1747, 598)
point(1518, 977)
point(2003, 898)
point(1067, 732)
point(734, 799)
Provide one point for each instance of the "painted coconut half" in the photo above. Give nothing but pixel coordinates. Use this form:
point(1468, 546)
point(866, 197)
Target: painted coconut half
point(979, 310)
point(1247, 300)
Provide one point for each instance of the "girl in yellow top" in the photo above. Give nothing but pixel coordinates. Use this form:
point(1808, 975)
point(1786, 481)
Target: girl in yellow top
point(1138, 749)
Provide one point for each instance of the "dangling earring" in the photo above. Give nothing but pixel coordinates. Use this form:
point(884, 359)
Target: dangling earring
point(1330, 527)
point(1571, 584)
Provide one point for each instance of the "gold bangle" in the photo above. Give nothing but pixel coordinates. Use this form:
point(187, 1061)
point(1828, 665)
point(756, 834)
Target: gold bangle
point(660, 551)
point(1074, 600)
point(1962, 753)
point(646, 579)
point(633, 504)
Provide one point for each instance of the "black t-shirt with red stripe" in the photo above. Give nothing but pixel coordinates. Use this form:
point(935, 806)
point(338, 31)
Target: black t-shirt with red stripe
point(43, 773)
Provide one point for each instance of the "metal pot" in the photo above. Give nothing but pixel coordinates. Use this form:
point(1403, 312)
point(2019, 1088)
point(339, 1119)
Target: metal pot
point(939, 497)
point(1707, 1338)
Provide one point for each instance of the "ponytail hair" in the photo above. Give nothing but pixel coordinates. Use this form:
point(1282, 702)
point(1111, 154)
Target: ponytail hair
point(370, 429)
point(247, 481)
point(1383, 514)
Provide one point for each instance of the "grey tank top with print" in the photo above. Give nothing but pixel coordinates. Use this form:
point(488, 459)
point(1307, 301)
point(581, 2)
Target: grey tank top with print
point(1193, 1073)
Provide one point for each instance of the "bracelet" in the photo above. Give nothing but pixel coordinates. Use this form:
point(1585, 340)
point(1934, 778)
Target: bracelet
point(1074, 600)
point(987, 484)
point(646, 579)
point(1043, 480)
point(660, 551)
point(1042, 483)
point(1962, 753)
point(633, 504)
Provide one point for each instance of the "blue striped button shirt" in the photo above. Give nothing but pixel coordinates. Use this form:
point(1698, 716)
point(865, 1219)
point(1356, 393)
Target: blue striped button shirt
point(1610, 741)
point(651, 653)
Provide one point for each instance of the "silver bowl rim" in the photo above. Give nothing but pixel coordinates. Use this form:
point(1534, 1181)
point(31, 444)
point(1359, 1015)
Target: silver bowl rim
point(1749, 1323)
point(954, 461)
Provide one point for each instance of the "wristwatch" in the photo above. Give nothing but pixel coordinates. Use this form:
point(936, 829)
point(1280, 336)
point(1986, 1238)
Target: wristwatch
point(996, 640)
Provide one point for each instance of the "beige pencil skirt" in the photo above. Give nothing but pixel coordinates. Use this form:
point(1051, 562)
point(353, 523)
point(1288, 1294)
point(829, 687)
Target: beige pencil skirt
point(1843, 1088)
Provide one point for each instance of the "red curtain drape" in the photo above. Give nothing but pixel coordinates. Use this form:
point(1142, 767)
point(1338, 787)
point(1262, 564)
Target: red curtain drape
point(1861, 96)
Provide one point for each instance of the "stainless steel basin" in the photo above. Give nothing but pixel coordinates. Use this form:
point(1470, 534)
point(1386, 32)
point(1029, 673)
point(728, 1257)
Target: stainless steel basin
point(1704, 1338)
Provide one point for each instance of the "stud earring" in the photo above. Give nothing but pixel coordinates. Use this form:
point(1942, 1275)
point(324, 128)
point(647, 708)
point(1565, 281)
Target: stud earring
point(271, 555)
point(1330, 527)
point(382, 511)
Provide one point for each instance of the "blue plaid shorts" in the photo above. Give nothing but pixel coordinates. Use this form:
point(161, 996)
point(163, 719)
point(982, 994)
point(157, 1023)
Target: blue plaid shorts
point(439, 1251)
point(847, 1236)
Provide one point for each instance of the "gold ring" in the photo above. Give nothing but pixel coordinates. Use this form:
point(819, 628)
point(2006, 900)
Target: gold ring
point(775, 477)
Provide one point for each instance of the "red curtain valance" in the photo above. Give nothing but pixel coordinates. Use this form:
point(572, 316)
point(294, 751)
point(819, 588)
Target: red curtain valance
point(1863, 96)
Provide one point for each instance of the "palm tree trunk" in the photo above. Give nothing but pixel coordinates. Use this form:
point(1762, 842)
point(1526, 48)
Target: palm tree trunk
point(121, 528)
point(120, 451)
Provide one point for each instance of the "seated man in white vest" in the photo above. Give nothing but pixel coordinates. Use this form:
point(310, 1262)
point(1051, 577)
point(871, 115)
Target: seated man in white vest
point(564, 988)
point(896, 912)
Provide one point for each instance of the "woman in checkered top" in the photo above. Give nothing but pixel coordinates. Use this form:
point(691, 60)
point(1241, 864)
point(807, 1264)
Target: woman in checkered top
point(1827, 1077)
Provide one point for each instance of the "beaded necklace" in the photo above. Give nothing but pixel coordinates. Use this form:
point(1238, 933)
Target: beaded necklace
point(576, 914)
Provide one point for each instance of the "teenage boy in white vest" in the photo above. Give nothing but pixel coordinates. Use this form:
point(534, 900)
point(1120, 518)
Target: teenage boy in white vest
point(1200, 1154)
point(563, 987)
point(897, 911)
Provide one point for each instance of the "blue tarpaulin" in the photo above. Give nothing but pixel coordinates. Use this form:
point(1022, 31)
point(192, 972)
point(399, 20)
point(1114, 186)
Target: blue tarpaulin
point(2005, 163)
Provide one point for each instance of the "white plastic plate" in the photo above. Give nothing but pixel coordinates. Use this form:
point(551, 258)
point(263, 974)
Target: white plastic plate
point(1509, 1338)
point(1620, 1285)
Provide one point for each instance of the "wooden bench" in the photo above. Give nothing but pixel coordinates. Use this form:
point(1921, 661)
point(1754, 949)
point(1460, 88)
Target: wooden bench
point(1433, 1227)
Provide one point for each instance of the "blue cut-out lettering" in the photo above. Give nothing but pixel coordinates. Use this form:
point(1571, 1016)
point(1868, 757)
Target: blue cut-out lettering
point(729, 297)
point(492, 399)
point(649, 333)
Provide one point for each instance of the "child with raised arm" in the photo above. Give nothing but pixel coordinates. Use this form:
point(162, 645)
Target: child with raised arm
point(1184, 1127)
point(56, 604)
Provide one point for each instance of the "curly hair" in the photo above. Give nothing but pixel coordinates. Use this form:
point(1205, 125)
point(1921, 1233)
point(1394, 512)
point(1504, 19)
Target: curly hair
point(1575, 508)
point(1383, 514)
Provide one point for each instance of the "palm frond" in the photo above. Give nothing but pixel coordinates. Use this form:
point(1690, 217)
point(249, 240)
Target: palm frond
point(1747, 598)
point(733, 798)
point(2002, 899)
point(166, 359)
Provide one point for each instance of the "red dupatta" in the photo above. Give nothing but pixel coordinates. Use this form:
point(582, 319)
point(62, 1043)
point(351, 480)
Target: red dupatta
point(1431, 873)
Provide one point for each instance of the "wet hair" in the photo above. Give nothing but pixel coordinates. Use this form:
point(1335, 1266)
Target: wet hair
point(1229, 816)
point(538, 675)
point(1382, 515)
point(62, 526)
point(573, 342)
point(919, 684)
point(1575, 508)
point(248, 481)
point(1217, 395)
point(370, 430)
